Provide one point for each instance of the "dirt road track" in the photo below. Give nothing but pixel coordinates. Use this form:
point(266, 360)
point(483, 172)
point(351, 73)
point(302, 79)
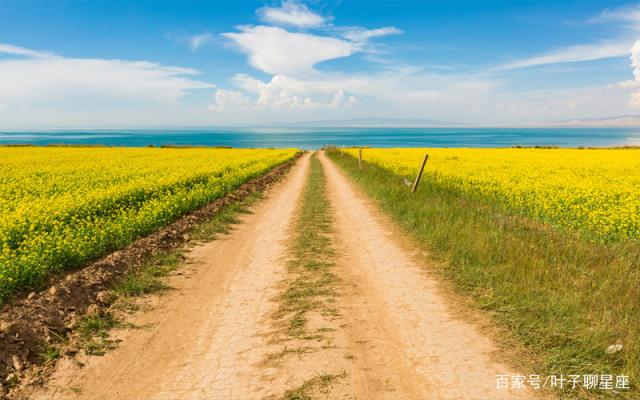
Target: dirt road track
point(396, 337)
point(399, 322)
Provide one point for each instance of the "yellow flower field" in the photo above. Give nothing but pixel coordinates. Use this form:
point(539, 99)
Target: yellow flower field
point(594, 191)
point(60, 207)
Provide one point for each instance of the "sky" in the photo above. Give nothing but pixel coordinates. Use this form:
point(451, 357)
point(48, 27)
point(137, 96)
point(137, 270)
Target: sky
point(107, 64)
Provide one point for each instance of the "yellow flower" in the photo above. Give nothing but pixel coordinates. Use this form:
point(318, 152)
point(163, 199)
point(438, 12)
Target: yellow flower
point(596, 191)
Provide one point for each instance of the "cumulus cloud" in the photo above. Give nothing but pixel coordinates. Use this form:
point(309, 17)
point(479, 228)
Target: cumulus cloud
point(291, 13)
point(224, 100)
point(635, 60)
point(296, 85)
point(632, 85)
point(277, 51)
point(410, 90)
point(284, 93)
point(197, 41)
point(629, 84)
point(38, 79)
point(291, 58)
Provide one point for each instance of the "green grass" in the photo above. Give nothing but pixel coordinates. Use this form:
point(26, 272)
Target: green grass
point(320, 383)
point(50, 354)
point(224, 219)
point(311, 283)
point(147, 278)
point(566, 299)
point(96, 325)
point(93, 330)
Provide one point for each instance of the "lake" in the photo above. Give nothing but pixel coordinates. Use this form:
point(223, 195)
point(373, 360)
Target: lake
point(313, 138)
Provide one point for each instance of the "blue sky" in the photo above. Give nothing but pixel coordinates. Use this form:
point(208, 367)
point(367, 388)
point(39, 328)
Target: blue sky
point(182, 63)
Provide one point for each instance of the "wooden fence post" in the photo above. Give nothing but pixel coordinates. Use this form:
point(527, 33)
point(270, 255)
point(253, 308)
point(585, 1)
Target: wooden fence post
point(417, 181)
point(359, 158)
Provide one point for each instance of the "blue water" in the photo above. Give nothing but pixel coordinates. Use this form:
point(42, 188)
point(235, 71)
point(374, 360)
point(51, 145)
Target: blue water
point(312, 138)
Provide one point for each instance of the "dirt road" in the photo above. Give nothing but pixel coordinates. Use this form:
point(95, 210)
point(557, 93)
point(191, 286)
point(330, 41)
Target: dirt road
point(394, 335)
point(414, 345)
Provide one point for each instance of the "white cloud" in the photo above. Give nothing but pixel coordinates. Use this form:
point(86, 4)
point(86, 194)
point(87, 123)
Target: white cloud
point(578, 53)
point(21, 51)
point(224, 100)
point(197, 41)
point(635, 60)
point(292, 13)
point(284, 93)
point(635, 63)
point(42, 81)
point(632, 85)
point(399, 91)
point(277, 51)
point(629, 14)
point(291, 57)
point(623, 17)
point(295, 84)
point(359, 35)
point(416, 93)
point(629, 84)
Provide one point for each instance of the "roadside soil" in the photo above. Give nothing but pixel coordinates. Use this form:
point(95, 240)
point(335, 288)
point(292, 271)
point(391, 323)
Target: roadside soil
point(391, 332)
